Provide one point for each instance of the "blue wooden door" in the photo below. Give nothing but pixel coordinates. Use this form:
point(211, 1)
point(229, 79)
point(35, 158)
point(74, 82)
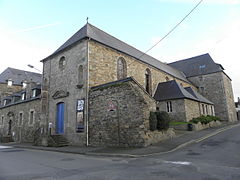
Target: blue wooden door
point(60, 118)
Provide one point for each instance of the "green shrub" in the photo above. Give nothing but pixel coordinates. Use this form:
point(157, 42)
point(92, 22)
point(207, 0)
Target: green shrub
point(153, 121)
point(163, 120)
point(205, 119)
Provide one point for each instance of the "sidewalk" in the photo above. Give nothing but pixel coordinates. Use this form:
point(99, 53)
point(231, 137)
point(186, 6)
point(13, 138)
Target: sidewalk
point(183, 138)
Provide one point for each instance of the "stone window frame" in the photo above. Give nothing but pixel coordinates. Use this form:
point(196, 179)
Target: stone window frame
point(121, 68)
point(169, 106)
point(20, 112)
point(206, 106)
point(148, 81)
point(31, 112)
point(62, 63)
point(80, 76)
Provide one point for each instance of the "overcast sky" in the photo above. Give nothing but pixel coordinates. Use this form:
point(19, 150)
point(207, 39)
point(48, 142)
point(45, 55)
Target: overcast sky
point(32, 30)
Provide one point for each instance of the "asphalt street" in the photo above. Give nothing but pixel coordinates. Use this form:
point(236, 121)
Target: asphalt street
point(215, 158)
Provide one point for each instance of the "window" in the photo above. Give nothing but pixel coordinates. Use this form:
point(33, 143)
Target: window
point(148, 81)
point(202, 66)
point(80, 75)
point(203, 109)
point(9, 82)
point(20, 121)
point(212, 110)
point(62, 63)
point(23, 96)
point(121, 68)
point(206, 109)
point(34, 92)
point(24, 84)
point(31, 117)
point(169, 106)
point(4, 102)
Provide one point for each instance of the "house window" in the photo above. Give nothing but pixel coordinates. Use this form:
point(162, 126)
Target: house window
point(23, 96)
point(4, 102)
point(169, 106)
point(9, 82)
point(80, 75)
point(203, 109)
point(206, 109)
point(62, 63)
point(20, 121)
point(148, 81)
point(24, 84)
point(34, 91)
point(31, 117)
point(121, 68)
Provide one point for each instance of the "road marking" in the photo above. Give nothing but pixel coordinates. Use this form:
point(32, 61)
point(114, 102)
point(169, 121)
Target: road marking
point(5, 147)
point(178, 162)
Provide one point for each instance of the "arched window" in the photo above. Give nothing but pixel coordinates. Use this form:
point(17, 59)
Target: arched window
point(148, 81)
point(121, 68)
point(62, 63)
point(80, 75)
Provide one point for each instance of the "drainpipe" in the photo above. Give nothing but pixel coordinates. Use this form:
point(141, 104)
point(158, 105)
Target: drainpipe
point(87, 91)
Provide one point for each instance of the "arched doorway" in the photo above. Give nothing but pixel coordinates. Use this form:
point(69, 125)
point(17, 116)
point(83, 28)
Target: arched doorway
point(60, 118)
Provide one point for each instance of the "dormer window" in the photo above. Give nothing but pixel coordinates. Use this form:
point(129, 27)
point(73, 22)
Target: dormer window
point(34, 92)
point(9, 82)
point(24, 84)
point(4, 102)
point(23, 96)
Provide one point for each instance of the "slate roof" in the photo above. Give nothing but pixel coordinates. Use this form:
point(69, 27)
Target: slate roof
point(18, 76)
point(92, 32)
point(198, 65)
point(197, 95)
point(172, 90)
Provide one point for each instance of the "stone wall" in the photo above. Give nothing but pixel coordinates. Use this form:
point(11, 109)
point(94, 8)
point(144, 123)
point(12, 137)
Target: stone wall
point(119, 115)
point(64, 83)
point(192, 109)
point(21, 130)
point(103, 67)
point(217, 88)
point(178, 109)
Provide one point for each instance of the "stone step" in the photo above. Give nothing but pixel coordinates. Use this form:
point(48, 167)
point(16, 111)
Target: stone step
point(6, 139)
point(58, 141)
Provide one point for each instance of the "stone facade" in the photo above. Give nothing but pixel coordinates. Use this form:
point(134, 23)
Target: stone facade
point(114, 119)
point(186, 109)
point(21, 119)
point(103, 67)
point(218, 89)
point(64, 83)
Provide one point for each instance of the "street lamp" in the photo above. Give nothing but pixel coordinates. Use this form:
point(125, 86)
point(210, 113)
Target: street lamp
point(31, 66)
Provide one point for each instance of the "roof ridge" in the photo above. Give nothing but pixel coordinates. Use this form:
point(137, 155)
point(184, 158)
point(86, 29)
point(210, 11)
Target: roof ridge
point(190, 58)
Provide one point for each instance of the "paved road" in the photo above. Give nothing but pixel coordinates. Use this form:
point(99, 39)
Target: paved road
point(217, 158)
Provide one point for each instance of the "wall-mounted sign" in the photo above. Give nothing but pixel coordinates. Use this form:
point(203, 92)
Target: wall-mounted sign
point(80, 115)
point(80, 105)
